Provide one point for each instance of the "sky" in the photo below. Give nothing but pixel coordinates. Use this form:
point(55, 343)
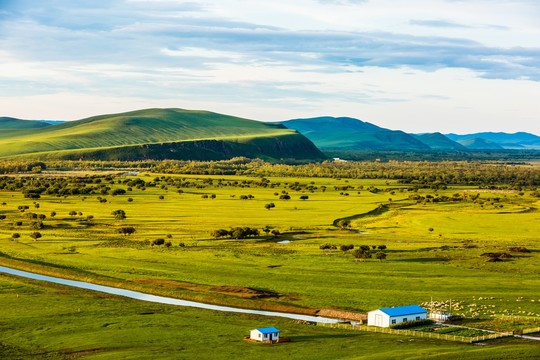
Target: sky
point(459, 66)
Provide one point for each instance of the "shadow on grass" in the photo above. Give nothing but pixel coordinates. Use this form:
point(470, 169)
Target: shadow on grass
point(423, 260)
point(305, 338)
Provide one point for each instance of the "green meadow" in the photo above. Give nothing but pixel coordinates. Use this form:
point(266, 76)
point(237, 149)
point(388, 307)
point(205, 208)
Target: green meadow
point(435, 250)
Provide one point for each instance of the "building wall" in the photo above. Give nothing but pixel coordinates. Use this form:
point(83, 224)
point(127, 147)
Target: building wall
point(257, 335)
point(378, 318)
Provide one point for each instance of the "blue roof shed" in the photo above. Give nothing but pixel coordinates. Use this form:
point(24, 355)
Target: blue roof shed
point(403, 310)
point(268, 330)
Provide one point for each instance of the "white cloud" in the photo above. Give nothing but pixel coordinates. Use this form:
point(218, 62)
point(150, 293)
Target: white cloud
point(418, 65)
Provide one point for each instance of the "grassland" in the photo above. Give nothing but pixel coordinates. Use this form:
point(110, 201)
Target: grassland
point(52, 322)
point(434, 251)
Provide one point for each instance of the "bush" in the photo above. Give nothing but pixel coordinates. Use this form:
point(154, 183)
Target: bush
point(158, 242)
point(119, 214)
point(35, 235)
point(15, 235)
point(360, 254)
point(520, 249)
point(412, 323)
point(126, 230)
point(328, 247)
point(346, 247)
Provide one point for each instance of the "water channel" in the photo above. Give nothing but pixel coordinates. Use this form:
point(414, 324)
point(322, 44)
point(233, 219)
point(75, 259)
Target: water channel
point(159, 299)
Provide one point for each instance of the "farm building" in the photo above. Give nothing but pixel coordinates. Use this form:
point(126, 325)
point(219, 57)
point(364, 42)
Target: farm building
point(268, 334)
point(386, 317)
point(440, 315)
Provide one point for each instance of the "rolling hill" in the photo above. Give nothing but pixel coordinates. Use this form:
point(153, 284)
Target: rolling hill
point(480, 144)
point(353, 134)
point(158, 133)
point(437, 141)
point(519, 140)
point(9, 123)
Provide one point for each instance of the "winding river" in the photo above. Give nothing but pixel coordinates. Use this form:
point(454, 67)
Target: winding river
point(159, 299)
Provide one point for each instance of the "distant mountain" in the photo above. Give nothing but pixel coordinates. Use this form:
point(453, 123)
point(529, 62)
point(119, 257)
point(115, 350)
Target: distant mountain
point(159, 134)
point(519, 140)
point(438, 141)
point(480, 144)
point(9, 123)
point(353, 134)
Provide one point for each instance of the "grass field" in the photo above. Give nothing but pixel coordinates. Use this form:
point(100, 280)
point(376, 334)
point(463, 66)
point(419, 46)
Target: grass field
point(434, 251)
point(52, 322)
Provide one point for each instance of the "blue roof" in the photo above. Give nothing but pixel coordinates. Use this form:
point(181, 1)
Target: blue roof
point(268, 330)
point(403, 310)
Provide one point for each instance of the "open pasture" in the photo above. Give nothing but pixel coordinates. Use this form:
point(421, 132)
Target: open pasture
point(48, 321)
point(434, 248)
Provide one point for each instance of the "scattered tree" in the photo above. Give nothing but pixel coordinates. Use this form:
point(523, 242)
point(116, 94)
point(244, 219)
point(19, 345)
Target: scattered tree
point(344, 224)
point(35, 235)
point(127, 230)
point(119, 214)
point(361, 255)
point(380, 256)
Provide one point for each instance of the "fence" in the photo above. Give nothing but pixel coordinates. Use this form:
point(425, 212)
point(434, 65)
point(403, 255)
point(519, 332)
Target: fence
point(430, 335)
point(516, 317)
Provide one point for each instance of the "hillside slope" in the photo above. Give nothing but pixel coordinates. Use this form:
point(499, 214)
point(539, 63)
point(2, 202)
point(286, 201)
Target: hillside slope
point(353, 134)
point(117, 135)
point(519, 140)
point(9, 123)
point(438, 141)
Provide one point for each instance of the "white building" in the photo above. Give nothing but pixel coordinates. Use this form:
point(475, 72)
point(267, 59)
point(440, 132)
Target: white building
point(270, 334)
point(387, 317)
point(439, 315)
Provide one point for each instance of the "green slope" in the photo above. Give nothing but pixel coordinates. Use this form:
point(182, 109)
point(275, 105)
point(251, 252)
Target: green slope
point(108, 135)
point(438, 141)
point(9, 123)
point(353, 134)
point(480, 144)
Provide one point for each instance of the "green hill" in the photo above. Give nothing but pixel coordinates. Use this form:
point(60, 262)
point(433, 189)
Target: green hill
point(480, 144)
point(9, 123)
point(353, 134)
point(519, 140)
point(159, 133)
point(438, 141)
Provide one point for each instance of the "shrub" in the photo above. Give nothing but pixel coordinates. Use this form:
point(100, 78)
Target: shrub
point(35, 235)
point(158, 242)
point(412, 323)
point(119, 214)
point(520, 249)
point(37, 225)
point(362, 255)
point(127, 230)
point(15, 235)
point(118, 192)
point(328, 246)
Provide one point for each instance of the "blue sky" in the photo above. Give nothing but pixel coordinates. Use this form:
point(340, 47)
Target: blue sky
point(416, 65)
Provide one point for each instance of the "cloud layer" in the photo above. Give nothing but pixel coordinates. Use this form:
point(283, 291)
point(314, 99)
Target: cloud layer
point(375, 60)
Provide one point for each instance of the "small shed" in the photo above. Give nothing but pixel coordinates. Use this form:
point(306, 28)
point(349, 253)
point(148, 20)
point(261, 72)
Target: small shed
point(267, 334)
point(385, 317)
point(440, 315)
